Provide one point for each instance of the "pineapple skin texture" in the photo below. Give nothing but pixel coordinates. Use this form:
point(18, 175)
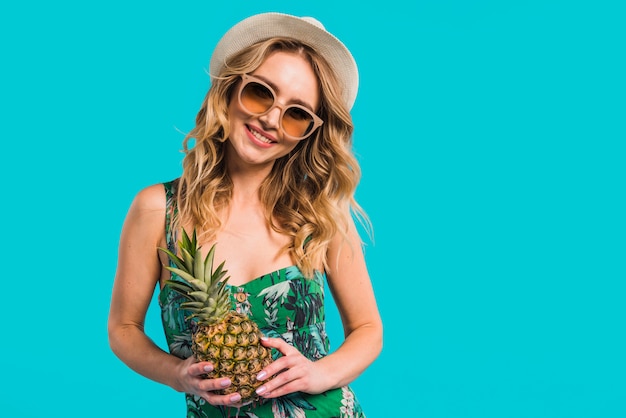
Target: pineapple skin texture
point(234, 348)
point(229, 340)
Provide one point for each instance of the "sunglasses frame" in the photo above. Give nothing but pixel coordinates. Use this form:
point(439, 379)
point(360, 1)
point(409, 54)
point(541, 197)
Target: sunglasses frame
point(249, 78)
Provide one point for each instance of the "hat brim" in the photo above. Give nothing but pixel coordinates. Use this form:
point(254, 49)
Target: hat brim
point(268, 25)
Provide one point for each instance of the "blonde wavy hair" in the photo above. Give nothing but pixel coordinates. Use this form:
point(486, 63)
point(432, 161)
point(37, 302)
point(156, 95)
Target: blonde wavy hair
point(309, 194)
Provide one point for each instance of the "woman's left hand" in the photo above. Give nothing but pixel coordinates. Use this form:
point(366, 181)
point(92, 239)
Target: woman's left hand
point(293, 372)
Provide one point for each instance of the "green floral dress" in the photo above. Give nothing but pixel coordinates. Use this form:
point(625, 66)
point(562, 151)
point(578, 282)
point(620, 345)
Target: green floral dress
point(285, 305)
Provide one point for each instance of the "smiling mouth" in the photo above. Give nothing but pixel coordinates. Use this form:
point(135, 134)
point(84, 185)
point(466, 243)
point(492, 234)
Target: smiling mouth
point(260, 137)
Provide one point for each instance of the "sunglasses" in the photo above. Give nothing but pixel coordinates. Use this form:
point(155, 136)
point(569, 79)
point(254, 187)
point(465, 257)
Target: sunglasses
point(257, 98)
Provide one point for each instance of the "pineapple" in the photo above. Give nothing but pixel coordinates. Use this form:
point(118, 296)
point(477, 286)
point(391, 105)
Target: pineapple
point(224, 337)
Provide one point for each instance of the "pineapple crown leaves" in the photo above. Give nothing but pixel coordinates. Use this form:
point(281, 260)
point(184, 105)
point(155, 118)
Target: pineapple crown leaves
point(205, 288)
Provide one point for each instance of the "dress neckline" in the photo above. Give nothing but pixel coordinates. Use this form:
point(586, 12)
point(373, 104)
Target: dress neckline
point(261, 277)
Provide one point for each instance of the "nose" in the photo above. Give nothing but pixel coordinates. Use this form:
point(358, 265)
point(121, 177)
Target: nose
point(271, 119)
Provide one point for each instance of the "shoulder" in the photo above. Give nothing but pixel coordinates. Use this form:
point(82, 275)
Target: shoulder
point(148, 205)
point(150, 198)
point(146, 215)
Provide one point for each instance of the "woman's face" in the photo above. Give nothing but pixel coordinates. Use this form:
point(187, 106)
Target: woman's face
point(260, 140)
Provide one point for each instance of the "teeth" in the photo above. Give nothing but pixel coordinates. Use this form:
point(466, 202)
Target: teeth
point(260, 137)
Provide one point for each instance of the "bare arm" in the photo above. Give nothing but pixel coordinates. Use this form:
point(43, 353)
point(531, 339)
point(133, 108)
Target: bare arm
point(138, 272)
point(350, 284)
point(352, 290)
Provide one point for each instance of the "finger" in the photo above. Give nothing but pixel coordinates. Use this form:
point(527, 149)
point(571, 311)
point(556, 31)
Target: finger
point(201, 368)
point(278, 392)
point(232, 399)
point(279, 344)
point(210, 385)
point(279, 386)
point(207, 388)
point(276, 367)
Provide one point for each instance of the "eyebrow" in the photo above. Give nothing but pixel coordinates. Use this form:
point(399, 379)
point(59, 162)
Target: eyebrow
point(277, 90)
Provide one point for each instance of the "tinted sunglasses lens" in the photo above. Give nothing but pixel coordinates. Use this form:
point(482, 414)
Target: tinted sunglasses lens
point(256, 98)
point(297, 122)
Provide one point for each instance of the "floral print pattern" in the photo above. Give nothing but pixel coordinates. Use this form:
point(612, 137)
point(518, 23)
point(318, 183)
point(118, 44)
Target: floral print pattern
point(285, 305)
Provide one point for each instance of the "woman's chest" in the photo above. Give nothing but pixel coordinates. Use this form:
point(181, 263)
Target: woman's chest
point(251, 250)
point(282, 300)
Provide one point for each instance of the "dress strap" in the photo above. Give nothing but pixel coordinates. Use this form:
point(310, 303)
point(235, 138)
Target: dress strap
point(171, 212)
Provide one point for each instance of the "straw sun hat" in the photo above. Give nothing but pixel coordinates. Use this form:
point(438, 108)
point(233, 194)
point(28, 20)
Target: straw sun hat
point(305, 29)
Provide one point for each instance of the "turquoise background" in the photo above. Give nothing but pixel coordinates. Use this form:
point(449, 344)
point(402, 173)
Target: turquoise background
point(491, 137)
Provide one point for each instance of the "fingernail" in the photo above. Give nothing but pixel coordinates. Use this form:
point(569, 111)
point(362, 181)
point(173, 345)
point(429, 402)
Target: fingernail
point(261, 376)
point(208, 368)
point(261, 390)
point(225, 382)
point(264, 338)
point(235, 398)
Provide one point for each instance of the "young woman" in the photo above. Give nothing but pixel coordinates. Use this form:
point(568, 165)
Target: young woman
point(270, 178)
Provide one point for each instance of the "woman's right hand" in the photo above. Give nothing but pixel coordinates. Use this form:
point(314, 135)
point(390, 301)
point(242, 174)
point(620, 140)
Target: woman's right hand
point(190, 376)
